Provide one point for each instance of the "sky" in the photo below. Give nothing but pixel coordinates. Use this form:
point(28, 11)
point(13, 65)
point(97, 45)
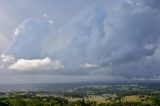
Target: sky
point(65, 41)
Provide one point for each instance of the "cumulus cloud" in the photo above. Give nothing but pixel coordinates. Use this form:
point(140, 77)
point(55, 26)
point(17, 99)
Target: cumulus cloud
point(119, 41)
point(30, 38)
point(26, 49)
point(36, 65)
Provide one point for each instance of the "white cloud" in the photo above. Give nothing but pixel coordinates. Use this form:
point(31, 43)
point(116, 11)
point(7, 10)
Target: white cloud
point(36, 64)
point(16, 32)
point(87, 65)
point(7, 58)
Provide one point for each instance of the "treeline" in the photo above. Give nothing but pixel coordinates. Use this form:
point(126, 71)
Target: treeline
point(58, 101)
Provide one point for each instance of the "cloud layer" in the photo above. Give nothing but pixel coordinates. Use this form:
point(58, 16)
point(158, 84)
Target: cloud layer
point(122, 42)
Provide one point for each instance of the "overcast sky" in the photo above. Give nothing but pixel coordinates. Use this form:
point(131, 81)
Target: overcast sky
point(61, 41)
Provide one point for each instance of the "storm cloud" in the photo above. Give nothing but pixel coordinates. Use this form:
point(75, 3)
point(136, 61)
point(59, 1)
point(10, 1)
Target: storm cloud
point(122, 42)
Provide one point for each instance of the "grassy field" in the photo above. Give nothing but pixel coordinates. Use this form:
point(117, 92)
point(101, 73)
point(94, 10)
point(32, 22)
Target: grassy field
point(133, 98)
point(108, 98)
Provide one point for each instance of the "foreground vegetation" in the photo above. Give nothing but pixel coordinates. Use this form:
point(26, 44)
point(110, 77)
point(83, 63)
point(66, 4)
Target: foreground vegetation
point(108, 95)
point(58, 101)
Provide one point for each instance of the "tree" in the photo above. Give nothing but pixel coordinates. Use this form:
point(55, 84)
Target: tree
point(155, 101)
